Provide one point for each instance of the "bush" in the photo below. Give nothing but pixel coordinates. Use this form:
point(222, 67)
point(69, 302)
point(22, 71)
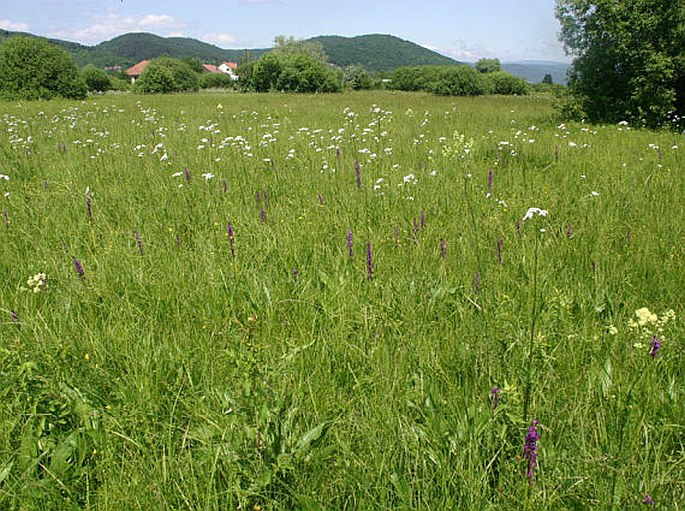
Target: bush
point(299, 73)
point(33, 68)
point(458, 81)
point(216, 81)
point(164, 75)
point(356, 78)
point(96, 79)
point(501, 82)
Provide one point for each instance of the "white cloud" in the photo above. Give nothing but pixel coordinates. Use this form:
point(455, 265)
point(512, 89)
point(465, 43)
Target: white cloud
point(14, 26)
point(111, 25)
point(219, 38)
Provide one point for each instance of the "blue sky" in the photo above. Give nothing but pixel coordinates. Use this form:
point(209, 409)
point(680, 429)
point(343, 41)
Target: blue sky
point(463, 29)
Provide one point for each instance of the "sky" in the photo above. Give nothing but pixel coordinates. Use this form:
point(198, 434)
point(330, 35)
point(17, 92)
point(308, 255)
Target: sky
point(466, 30)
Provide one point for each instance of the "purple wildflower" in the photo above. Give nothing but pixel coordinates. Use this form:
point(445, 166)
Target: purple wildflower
point(443, 248)
point(139, 242)
point(648, 500)
point(186, 171)
point(89, 206)
point(500, 242)
point(569, 231)
point(262, 215)
point(556, 153)
point(655, 345)
point(79, 268)
point(415, 228)
point(296, 273)
point(337, 153)
point(518, 226)
point(258, 196)
point(494, 396)
point(348, 242)
point(358, 172)
point(231, 238)
point(369, 261)
point(45, 184)
point(530, 451)
point(476, 282)
point(491, 176)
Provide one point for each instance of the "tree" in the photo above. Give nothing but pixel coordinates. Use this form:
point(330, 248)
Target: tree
point(165, 74)
point(96, 79)
point(488, 65)
point(291, 47)
point(505, 83)
point(356, 77)
point(547, 79)
point(629, 58)
point(33, 68)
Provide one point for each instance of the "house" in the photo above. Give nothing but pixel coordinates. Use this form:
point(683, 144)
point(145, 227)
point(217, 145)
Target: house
point(136, 70)
point(229, 68)
point(210, 68)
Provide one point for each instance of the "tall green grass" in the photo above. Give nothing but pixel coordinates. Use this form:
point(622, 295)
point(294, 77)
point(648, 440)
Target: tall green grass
point(182, 376)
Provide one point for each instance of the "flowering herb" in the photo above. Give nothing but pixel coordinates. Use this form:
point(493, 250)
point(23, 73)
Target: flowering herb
point(231, 238)
point(79, 268)
point(186, 171)
point(262, 215)
point(89, 206)
point(648, 500)
point(6, 217)
point(296, 273)
point(569, 231)
point(369, 261)
point(655, 346)
point(490, 180)
point(530, 451)
point(415, 229)
point(532, 212)
point(349, 243)
point(494, 396)
point(139, 242)
point(358, 172)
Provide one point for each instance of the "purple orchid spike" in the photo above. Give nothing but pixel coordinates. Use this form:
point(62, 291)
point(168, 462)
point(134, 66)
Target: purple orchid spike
point(490, 180)
point(655, 346)
point(358, 172)
point(530, 451)
point(569, 231)
point(262, 215)
point(79, 268)
point(89, 206)
point(6, 217)
point(139, 242)
point(349, 243)
point(231, 238)
point(186, 171)
point(369, 261)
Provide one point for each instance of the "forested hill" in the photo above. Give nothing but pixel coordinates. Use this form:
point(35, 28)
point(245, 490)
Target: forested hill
point(374, 52)
point(378, 52)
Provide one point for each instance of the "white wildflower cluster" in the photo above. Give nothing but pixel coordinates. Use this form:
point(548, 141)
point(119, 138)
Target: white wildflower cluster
point(647, 324)
point(459, 149)
point(36, 283)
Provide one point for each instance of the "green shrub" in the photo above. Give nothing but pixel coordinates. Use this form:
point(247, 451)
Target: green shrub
point(216, 81)
point(266, 72)
point(33, 68)
point(501, 82)
point(356, 77)
point(298, 73)
point(96, 79)
point(165, 74)
point(458, 81)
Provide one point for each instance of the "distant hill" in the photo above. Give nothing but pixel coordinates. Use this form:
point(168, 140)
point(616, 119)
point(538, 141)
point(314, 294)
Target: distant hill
point(378, 52)
point(374, 52)
point(535, 70)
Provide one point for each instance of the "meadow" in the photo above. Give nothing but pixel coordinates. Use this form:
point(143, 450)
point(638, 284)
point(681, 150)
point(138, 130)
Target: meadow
point(318, 302)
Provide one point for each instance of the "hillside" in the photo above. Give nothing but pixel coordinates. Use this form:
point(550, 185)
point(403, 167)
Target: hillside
point(378, 52)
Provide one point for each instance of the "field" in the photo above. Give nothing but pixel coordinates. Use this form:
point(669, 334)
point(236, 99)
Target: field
point(213, 302)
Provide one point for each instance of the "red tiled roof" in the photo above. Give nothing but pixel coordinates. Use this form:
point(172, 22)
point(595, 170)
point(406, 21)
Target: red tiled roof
point(232, 65)
point(210, 68)
point(137, 69)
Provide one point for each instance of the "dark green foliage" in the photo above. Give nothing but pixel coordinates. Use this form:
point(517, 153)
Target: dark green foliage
point(216, 81)
point(33, 68)
point(96, 79)
point(164, 75)
point(629, 55)
point(299, 73)
point(355, 77)
point(441, 80)
point(488, 65)
point(507, 84)
point(547, 79)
